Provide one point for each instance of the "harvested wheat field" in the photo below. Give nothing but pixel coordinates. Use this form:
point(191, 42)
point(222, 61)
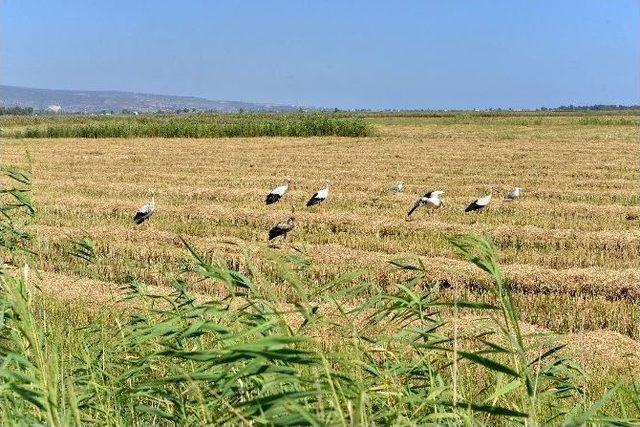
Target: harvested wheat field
point(570, 245)
point(355, 280)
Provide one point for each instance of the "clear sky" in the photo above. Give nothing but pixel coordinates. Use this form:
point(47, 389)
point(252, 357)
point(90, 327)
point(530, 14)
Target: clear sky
point(349, 54)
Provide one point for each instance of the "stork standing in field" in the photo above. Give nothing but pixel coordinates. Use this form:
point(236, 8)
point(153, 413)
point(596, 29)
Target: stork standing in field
point(146, 210)
point(277, 193)
point(431, 200)
point(481, 203)
point(513, 195)
point(397, 187)
point(282, 228)
point(320, 196)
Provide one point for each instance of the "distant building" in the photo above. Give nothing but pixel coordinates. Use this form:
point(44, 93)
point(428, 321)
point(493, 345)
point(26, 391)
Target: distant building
point(54, 108)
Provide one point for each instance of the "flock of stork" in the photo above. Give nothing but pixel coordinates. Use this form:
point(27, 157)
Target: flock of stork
point(431, 200)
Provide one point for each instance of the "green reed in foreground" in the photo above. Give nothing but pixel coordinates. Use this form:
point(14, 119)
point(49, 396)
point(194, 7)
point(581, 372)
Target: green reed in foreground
point(332, 357)
point(204, 127)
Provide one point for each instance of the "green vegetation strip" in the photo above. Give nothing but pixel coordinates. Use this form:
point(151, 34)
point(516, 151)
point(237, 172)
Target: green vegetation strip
point(205, 127)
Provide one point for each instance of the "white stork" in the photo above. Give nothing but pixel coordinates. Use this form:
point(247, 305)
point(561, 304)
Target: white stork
point(397, 187)
point(481, 203)
point(431, 200)
point(320, 196)
point(146, 210)
point(513, 195)
point(277, 193)
point(282, 228)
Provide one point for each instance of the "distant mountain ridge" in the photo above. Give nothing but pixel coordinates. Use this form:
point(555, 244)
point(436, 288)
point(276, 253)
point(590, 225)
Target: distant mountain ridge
point(79, 101)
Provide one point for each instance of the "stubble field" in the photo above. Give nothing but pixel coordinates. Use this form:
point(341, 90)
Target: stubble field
point(570, 247)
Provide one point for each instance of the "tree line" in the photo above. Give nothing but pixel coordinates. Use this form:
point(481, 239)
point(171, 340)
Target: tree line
point(26, 111)
point(595, 107)
point(16, 111)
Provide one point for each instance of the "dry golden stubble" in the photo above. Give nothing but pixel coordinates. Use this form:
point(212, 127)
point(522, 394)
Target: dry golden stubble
point(570, 233)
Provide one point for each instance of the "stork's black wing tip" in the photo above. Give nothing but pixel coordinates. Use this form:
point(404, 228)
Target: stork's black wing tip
point(472, 207)
point(141, 217)
point(274, 232)
point(271, 198)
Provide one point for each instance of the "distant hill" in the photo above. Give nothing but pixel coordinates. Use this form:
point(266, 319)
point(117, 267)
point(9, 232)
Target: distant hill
point(78, 101)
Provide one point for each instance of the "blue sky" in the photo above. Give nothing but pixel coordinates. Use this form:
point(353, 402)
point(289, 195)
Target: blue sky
point(349, 54)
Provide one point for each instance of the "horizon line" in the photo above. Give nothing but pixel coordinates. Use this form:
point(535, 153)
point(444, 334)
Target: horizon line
point(355, 109)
